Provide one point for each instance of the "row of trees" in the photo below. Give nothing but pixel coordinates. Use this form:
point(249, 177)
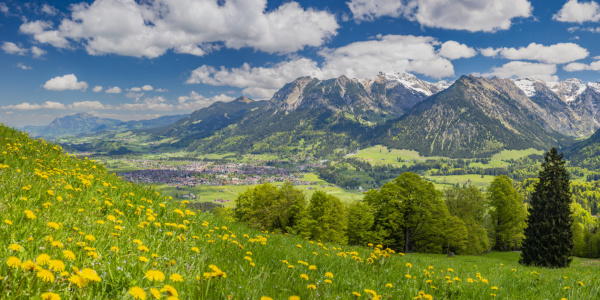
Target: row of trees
point(407, 214)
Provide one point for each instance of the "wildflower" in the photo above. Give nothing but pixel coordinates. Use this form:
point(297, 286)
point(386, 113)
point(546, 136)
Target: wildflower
point(77, 280)
point(143, 248)
point(265, 298)
point(389, 285)
point(89, 274)
point(29, 214)
point(56, 265)
point(470, 280)
point(299, 246)
point(143, 259)
point(176, 277)
point(356, 294)
point(293, 298)
point(408, 276)
point(484, 281)
point(312, 267)
point(50, 296)
point(45, 275)
point(580, 283)
point(114, 249)
point(450, 270)
point(195, 249)
point(304, 276)
point(15, 247)
point(69, 255)
point(137, 293)
point(494, 288)
point(57, 244)
point(311, 287)
point(9, 222)
point(53, 225)
point(155, 275)
point(409, 265)
point(155, 293)
point(90, 238)
point(28, 265)
point(13, 262)
point(329, 275)
point(327, 281)
point(42, 259)
point(171, 291)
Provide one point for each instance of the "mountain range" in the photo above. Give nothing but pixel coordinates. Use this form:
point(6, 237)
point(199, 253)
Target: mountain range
point(84, 123)
point(471, 117)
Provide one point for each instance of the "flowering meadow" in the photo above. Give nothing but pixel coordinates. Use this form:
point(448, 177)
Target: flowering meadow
point(71, 230)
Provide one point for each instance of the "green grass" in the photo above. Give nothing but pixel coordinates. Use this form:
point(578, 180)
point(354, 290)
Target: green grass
point(449, 180)
point(52, 203)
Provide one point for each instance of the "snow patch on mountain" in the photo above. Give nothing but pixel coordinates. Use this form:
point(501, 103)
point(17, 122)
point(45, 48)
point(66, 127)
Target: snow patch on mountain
point(409, 81)
point(595, 86)
point(527, 85)
point(569, 89)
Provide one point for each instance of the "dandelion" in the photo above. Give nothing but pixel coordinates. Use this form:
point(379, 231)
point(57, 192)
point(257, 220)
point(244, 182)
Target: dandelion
point(9, 222)
point(29, 214)
point(408, 276)
point(155, 293)
point(45, 275)
point(42, 259)
point(265, 298)
point(137, 293)
point(77, 280)
point(311, 287)
point(171, 291)
point(293, 298)
point(356, 294)
point(15, 247)
point(195, 249)
point(329, 275)
point(69, 255)
point(494, 288)
point(409, 265)
point(312, 267)
point(304, 276)
point(89, 274)
point(176, 277)
point(50, 296)
point(114, 249)
point(155, 275)
point(56, 265)
point(299, 246)
point(327, 281)
point(389, 285)
point(580, 283)
point(143, 248)
point(28, 265)
point(143, 259)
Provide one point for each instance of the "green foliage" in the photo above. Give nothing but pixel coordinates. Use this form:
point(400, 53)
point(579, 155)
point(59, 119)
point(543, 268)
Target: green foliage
point(507, 214)
point(328, 218)
point(549, 233)
point(360, 222)
point(469, 205)
point(408, 214)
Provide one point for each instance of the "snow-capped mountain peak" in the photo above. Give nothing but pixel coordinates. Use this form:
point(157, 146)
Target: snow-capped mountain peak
point(527, 85)
point(569, 89)
point(595, 86)
point(409, 81)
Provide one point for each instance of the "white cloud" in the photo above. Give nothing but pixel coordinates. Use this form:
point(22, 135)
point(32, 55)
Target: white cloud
point(38, 29)
point(28, 106)
point(135, 89)
point(556, 54)
point(66, 82)
point(150, 28)
point(84, 105)
point(154, 103)
point(480, 15)
point(578, 12)
point(594, 66)
point(24, 67)
point(3, 8)
point(114, 90)
point(147, 87)
point(49, 9)
point(521, 69)
point(455, 50)
point(357, 60)
point(196, 101)
point(135, 96)
point(161, 90)
point(37, 52)
point(12, 48)
point(97, 89)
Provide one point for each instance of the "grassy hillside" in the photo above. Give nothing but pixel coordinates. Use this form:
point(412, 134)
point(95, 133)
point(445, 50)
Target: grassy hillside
point(70, 230)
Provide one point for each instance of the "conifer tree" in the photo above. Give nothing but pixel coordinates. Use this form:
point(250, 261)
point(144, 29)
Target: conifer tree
point(548, 236)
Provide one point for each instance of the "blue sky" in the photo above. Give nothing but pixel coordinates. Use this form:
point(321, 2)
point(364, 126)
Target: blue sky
point(130, 59)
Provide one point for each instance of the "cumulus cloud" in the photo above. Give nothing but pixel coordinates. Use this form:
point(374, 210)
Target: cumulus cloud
point(40, 30)
point(195, 101)
point(154, 103)
point(4, 8)
point(84, 105)
point(147, 87)
point(37, 52)
point(66, 82)
point(161, 90)
point(455, 50)
point(481, 15)
point(594, 66)
point(28, 106)
point(12, 48)
point(23, 67)
point(97, 89)
point(49, 9)
point(150, 28)
point(135, 89)
point(578, 12)
point(403, 53)
point(114, 90)
point(135, 96)
point(555, 54)
point(522, 69)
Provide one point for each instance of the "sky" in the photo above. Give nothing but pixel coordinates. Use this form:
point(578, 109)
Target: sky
point(133, 60)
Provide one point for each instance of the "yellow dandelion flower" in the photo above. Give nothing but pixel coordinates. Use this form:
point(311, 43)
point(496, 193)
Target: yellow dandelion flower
point(15, 247)
point(494, 288)
point(78, 281)
point(56, 265)
point(42, 259)
point(155, 293)
point(450, 270)
point(143, 259)
point(90, 238)
point(312, 267)
point(69, 255)
point(114, 249)
point(299, 246)
point(265, 298)
point(171, 291)
point(50, 296)
point(329, 275)
point(580, 283)
point(304, 276)
point(176, 277)
point(409, 265)
point(389, 285)
point(293, 298)
point(89, 274)
point(311, 287)
point(484, 281)
point(143, 248)
point(327, 281)
point(408, 276)
point(45, 275)
point(13, 262)
point(28, 265)
point(356, 294)
point(155, 275)
point(9, 222)
point(137, 293)
point(195, 249)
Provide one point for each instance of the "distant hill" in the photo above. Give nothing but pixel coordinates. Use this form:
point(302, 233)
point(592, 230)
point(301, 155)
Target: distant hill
point(84, 123)
point(476, 117)
point(585, 153)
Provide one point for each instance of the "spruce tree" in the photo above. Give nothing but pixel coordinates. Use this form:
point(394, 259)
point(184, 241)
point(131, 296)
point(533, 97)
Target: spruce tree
point(548, 236)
